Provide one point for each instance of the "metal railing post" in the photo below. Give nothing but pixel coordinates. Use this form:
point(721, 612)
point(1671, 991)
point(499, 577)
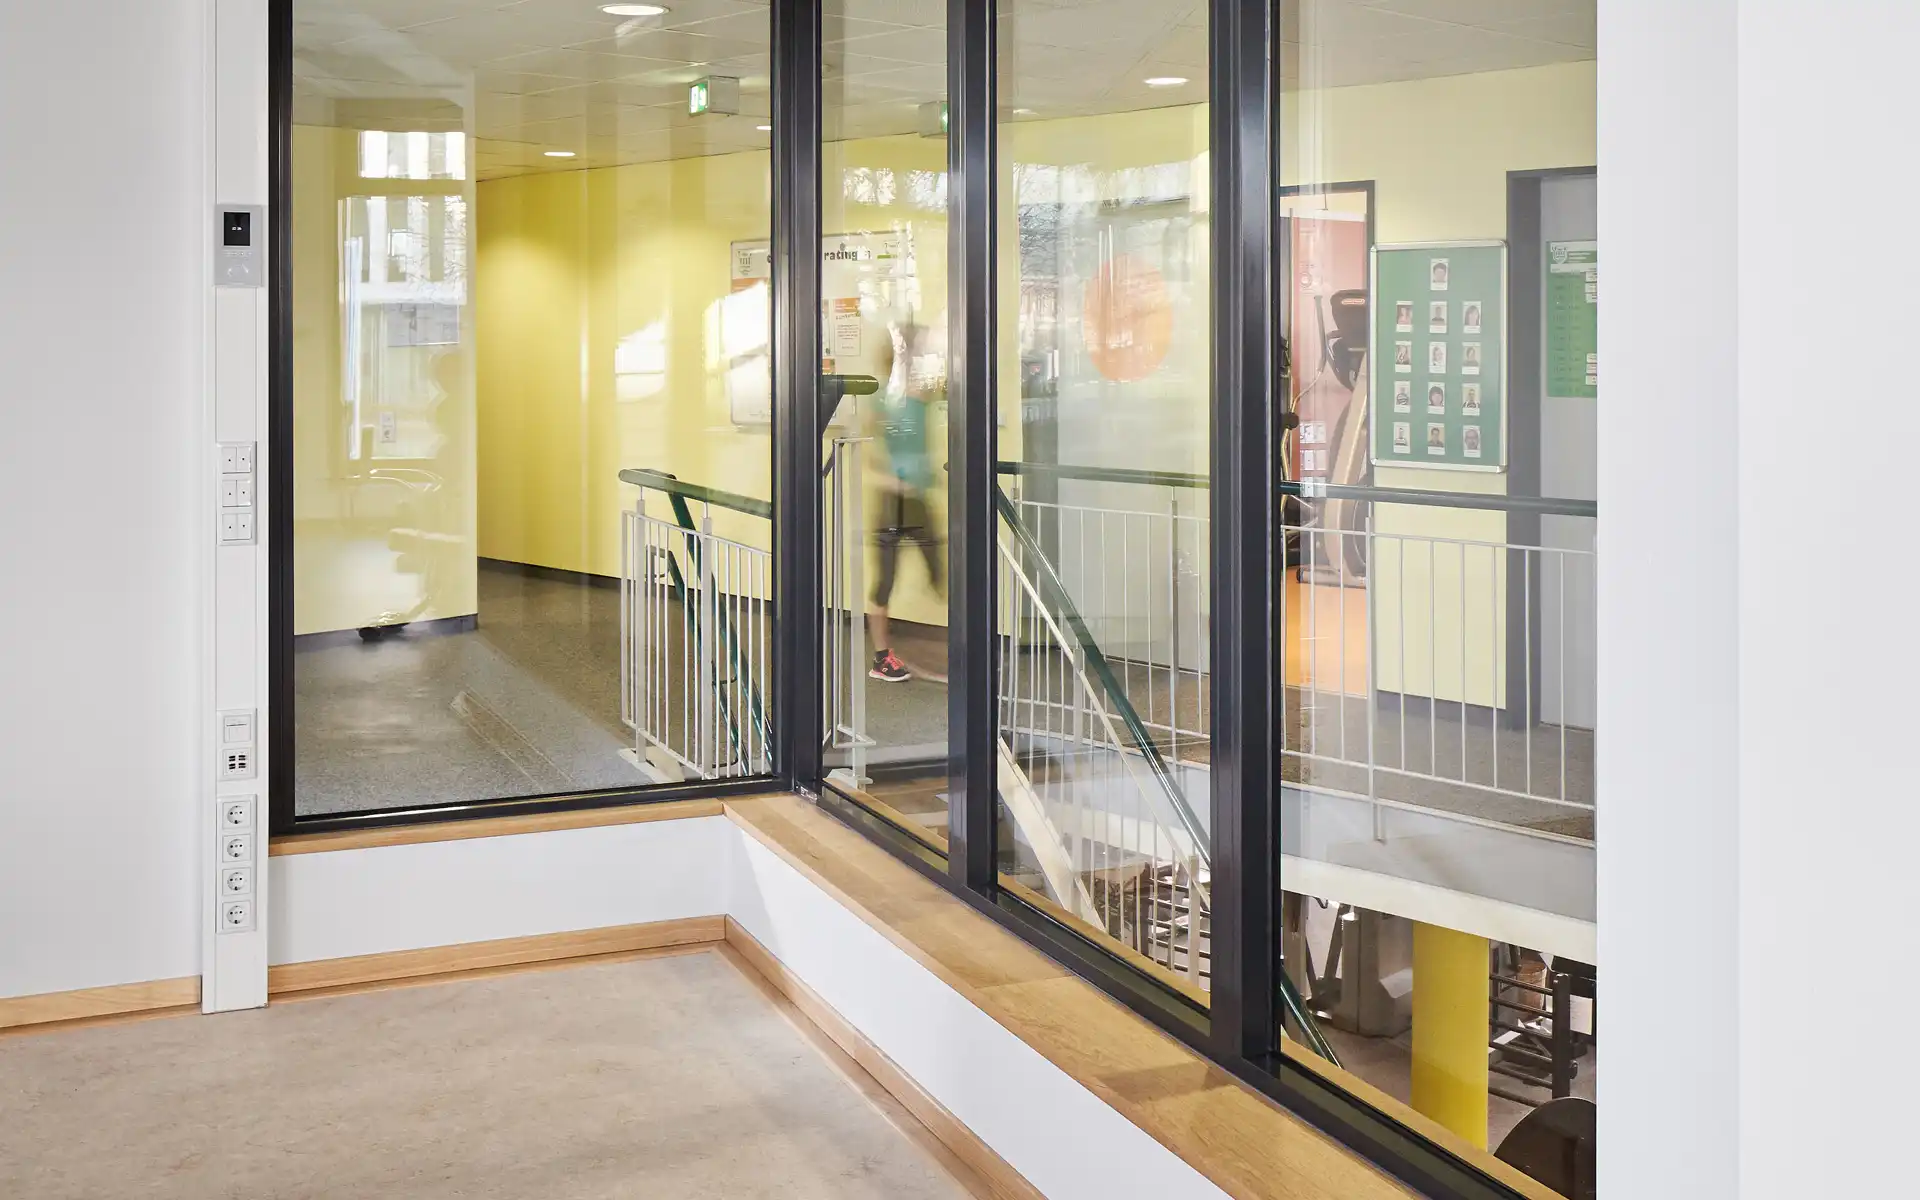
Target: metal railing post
point(707, 746)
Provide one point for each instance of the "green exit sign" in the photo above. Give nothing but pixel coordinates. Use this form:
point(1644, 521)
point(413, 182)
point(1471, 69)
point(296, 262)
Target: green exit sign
point(715, 94)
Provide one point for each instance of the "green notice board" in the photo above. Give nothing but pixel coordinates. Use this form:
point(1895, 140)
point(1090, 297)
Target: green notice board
point(1573, 307)
point(1439, 355)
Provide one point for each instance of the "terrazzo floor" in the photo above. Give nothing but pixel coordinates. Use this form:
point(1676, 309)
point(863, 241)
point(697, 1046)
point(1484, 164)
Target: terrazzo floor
point(670, 1076)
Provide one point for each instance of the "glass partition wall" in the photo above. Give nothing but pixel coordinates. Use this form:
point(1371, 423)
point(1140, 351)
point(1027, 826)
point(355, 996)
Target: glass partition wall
point(1101, 492)
point(529, 304)
point(1133, 459)
point(1437, 597)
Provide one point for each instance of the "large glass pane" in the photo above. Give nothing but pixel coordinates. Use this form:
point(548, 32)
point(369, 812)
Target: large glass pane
point(1438, 211)
point(1103, 494)
point(883, 308)
point(530, 305)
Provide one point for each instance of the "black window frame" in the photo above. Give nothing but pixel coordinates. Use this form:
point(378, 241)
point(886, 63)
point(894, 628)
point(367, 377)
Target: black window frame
point(1239, 1031)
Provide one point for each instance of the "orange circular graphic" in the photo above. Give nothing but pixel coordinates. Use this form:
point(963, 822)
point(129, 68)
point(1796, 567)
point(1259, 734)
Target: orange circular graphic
point(1129, 319)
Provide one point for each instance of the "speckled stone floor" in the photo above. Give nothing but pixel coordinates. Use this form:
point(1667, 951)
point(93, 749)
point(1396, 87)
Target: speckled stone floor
point(526, 704)
point(662, 1077)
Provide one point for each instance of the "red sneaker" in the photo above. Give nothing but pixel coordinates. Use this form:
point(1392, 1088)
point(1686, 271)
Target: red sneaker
point(888, 668)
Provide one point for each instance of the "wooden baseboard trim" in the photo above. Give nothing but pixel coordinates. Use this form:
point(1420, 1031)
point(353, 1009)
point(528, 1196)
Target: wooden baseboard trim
point(120, 999)
point(453, 831)
point(998, 1176)
point(365, 969)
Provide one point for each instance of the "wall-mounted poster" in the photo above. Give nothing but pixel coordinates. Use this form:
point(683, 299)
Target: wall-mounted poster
point(1573, 324)
point(1439, 344)
point(863, 278)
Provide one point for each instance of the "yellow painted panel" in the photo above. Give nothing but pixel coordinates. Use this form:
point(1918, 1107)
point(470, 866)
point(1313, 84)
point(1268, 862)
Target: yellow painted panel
point(1450, 995)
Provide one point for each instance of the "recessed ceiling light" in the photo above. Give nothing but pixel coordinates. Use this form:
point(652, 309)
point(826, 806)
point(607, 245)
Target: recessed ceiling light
point(764, 128)
point(559, 154)
point(1166, 81)
point(634, 10)
point(1022, 112)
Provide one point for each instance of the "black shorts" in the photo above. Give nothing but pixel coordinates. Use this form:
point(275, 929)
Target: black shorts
point(905, 521)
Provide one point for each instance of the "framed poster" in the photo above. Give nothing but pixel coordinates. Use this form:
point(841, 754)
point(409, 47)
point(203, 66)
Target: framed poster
point(1437, 355)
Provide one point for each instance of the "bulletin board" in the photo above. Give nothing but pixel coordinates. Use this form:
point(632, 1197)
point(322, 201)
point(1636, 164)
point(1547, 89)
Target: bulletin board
point(864, 277)
point(1438, 355)
point(1573, 325)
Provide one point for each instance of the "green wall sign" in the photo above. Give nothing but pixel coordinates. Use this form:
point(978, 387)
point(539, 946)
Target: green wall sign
point(1573, 307)
point(1438, 354)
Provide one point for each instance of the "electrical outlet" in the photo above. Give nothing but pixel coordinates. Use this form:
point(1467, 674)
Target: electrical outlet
point(236, 916)
point(236, 814)
point(237, 848)
point(236, 764)
point(236, 881)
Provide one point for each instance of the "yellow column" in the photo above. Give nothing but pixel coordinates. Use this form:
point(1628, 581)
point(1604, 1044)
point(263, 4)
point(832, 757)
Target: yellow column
point(1450, 994)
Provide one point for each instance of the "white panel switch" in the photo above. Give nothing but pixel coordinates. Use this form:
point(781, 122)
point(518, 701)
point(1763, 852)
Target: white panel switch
point(236, 727)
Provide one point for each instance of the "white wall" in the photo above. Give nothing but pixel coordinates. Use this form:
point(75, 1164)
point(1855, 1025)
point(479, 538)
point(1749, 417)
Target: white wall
point(1757, 906)
point(102, 179)
point(1829, 428)
point(351, 902)
point(1669, 674)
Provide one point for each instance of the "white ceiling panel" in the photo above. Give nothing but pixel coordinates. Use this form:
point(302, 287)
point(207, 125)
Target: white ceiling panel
point(590, 66)
point(1566, 29)
point(671, 45)
point(1478, 12)
point(927, 47)
point(927, 13)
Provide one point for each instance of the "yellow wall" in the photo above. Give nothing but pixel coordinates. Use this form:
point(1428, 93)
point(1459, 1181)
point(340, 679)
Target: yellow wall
point(569, 264)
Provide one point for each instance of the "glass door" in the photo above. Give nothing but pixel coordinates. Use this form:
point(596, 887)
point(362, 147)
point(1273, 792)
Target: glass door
point(883, 289)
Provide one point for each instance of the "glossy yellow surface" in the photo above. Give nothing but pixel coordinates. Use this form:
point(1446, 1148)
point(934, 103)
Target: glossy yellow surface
point(1450, 994)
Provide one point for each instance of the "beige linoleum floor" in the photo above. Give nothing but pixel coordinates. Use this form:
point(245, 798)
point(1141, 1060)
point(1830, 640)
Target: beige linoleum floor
point(659, 1077)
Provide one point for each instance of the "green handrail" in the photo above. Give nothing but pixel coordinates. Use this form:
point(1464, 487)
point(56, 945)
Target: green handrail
point(1313, 489)
point(1096, 660)
point(673, 486)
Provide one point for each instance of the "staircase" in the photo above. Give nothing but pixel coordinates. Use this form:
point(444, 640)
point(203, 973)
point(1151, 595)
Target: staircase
point(1177, 935)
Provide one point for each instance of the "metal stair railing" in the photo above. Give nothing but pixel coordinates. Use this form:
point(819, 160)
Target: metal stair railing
point(1066, 711)
point(695, 638)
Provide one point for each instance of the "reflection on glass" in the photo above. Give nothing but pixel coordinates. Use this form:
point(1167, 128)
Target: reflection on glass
point(1439, 656)
point(883, 309)
point(527, 319)
point(1102, 505)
